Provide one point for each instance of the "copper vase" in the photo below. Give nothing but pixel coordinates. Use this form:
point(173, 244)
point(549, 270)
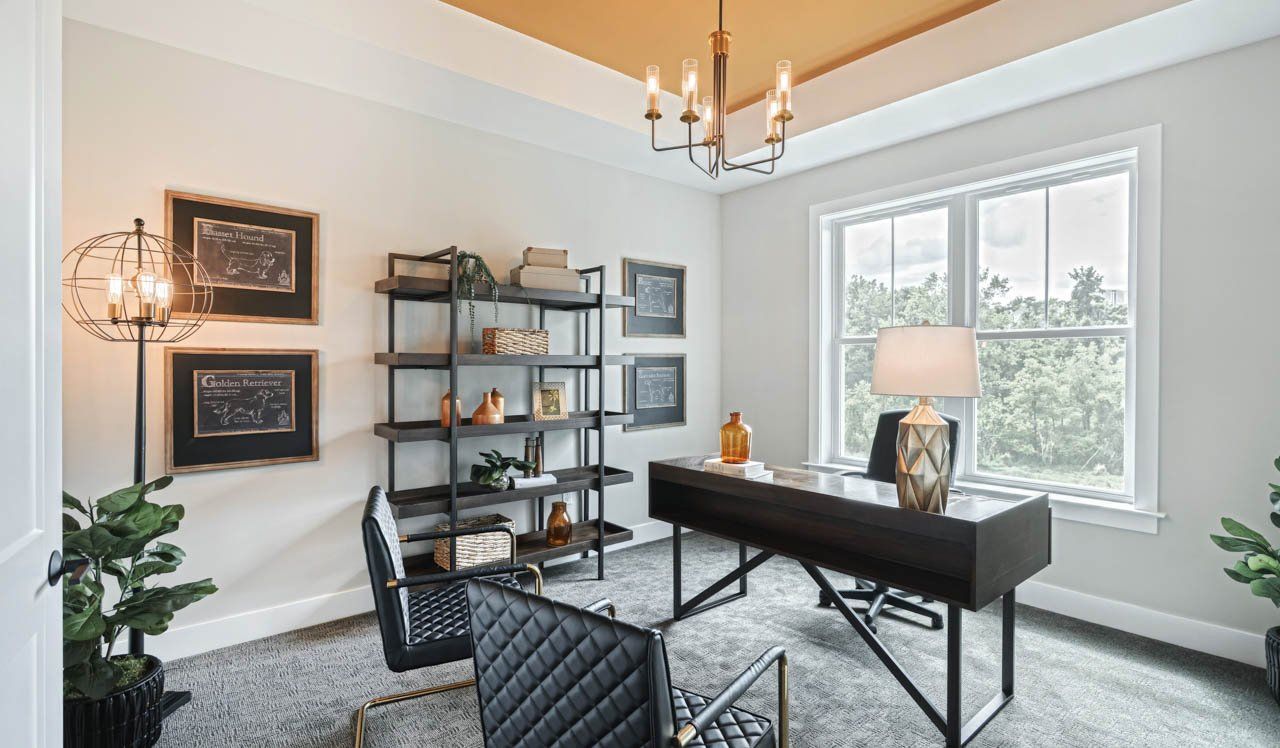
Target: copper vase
point(487, 412)
point(499, 402)
point(735, 440)
point(445, 411)
point(559, 526)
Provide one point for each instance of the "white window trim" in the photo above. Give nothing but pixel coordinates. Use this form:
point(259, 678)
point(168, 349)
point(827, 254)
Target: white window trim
point(1142, 515)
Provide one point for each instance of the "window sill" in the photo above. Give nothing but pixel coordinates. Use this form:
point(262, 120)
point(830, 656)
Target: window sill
point(1065, 506)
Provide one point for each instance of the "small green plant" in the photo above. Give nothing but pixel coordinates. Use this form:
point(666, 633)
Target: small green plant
point(493, 474)
point(116, 535)
point(1260, 567)
point(473, 271)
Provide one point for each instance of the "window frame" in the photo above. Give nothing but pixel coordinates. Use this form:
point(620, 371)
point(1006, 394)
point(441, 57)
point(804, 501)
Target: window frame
point(1136, 153)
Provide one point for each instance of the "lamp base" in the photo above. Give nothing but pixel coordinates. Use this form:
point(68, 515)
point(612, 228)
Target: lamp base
point(924, 459)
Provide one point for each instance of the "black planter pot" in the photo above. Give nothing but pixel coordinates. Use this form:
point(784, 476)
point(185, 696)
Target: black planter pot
point(129, 718)
point(1273, 661)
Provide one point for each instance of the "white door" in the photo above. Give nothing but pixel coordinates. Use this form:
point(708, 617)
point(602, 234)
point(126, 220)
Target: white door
point(30, 371)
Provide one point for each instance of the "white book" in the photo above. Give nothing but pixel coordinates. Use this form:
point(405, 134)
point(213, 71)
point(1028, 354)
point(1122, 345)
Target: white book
point(752, 469)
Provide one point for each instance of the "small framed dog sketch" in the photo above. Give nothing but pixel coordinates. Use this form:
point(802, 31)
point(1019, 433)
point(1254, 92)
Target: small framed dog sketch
point(239, 407)
point(262, 261)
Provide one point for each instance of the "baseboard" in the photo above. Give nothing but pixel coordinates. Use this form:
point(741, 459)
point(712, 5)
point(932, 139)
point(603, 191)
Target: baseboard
point(185, 641)
point(1233, 644)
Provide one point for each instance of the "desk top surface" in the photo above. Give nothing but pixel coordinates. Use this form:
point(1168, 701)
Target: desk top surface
point(965, 508)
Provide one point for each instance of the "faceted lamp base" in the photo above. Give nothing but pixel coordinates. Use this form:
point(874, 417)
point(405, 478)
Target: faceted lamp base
point(924, 459)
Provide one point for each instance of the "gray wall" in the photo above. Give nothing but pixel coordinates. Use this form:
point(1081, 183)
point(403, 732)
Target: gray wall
point(282, 542)
point(1220, 353)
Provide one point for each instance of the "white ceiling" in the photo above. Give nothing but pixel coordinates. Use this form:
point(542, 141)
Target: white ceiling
point(428, 57)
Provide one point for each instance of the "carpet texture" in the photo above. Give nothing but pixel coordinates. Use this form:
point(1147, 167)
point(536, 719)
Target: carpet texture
point(1077, 684)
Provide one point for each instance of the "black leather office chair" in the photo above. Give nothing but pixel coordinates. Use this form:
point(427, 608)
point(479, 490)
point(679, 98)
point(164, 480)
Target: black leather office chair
point(427, 626)
point(550, 674)
point(882, 466)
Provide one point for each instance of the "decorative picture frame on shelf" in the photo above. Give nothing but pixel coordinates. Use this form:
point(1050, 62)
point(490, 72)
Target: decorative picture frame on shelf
point(239, 407)
point(263, 261)
point(653, 389)
point(549, 401)
point(659, 291)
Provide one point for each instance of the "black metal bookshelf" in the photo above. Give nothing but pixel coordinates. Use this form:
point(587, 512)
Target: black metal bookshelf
point(589, 535)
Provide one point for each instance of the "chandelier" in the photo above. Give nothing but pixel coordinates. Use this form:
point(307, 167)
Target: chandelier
point(711, 112)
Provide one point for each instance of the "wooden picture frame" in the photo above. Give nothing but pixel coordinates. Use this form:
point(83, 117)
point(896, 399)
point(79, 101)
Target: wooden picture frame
point(263, 260)
point(659, 290)
point(549, 401)
point(653, 390)
point(254, 406)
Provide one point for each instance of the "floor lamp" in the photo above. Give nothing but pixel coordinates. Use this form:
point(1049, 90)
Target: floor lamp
point(139, 288)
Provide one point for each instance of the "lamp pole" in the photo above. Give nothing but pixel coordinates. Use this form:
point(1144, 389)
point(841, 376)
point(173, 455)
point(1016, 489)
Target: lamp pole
point(136, 638)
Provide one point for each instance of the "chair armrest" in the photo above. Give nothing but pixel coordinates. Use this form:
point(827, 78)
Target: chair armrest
point(602, 606)
point(457, 574)
point(734, 691)
point(853, 474)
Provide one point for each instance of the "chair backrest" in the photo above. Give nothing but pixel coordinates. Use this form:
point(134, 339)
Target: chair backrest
point(882, 462)
point(548, 673)
point(382, 554)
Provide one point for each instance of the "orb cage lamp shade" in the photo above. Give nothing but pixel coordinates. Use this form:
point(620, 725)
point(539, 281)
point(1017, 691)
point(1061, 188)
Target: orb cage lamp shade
point(925, 361)
point(135, 286)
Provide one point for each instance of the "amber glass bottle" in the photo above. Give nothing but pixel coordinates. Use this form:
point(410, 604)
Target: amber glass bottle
point(735, 440)
point(559, 527)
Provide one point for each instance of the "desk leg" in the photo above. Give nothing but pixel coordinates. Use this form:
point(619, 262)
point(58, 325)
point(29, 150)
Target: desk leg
point(675, 571)
point(699, 602)
point(955, 665)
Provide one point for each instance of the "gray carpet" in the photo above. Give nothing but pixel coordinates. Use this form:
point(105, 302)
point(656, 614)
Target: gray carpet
point(1077, 684)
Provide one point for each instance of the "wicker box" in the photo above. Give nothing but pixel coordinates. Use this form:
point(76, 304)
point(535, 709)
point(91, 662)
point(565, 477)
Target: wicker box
point(511, 340)
point(475, 550)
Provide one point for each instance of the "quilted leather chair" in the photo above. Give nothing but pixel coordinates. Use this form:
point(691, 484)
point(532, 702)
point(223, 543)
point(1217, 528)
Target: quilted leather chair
point(882, 466)
point(550, 674)
point(428, 625)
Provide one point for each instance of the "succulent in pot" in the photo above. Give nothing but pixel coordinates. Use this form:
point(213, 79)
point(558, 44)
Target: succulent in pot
point(493, 474)
point(113, 699)
point(1260, 569)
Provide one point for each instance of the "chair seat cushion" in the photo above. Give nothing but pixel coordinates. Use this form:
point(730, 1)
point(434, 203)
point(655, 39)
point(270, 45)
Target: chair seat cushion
point(736, 728)
point(441, 612)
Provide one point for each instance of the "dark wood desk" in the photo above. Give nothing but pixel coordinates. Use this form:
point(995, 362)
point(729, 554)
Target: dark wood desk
point(980, 550)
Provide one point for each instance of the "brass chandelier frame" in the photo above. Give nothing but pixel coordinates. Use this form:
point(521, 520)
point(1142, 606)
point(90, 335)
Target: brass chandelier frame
point(714, 142)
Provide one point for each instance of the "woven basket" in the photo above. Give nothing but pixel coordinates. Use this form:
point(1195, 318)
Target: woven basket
point(475, 550)
point(510, 340)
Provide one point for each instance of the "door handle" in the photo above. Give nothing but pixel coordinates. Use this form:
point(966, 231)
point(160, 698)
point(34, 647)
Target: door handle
point(59, 567)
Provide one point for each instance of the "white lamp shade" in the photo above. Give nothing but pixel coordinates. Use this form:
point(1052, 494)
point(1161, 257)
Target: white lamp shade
point(926, 361)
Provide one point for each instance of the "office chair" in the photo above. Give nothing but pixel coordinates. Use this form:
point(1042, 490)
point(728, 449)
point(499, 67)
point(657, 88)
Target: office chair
point(882, 467)
point(426, 626)
point(551, 674)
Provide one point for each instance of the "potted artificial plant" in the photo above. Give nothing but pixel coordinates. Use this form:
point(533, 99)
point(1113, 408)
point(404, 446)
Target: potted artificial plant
point(111, 699)
point(1260, 569)
point(493, 473)
point(473, 271)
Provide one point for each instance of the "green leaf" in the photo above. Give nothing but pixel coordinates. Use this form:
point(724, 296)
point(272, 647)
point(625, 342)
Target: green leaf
point(1275, 518)
point(158, 484)
point(1242, 568)
point(83, 625)
point(1277, 463)
point(1261, 563)
point(115, 569)
point(1237, 576)
point(1240, 531)
point(120, 500)
point(166, 552)
point(1268, 588)
point(71, 502)
point(94, 678)
point(94, 541)
point(74, 653)
point(1237, 545)
point(69, 523)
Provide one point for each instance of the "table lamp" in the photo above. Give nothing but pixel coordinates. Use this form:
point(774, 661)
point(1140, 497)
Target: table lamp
point(925, 361)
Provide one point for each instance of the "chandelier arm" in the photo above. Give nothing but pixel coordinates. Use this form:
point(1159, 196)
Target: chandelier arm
point(653, 139)
point(775, 154)
point(691, 159)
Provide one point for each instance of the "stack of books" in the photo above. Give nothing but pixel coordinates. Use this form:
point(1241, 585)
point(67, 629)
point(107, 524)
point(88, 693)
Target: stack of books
point(546, 268)
point(751, 470)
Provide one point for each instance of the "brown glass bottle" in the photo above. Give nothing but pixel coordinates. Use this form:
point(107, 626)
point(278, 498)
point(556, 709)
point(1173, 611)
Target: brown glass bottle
point(559, 526)
point(735, 440)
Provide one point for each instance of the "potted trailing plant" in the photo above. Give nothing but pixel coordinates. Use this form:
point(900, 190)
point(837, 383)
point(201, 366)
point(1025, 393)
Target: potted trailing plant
point(1260, 569)
point(493, 474)
point(112, 699)
point(473, 271)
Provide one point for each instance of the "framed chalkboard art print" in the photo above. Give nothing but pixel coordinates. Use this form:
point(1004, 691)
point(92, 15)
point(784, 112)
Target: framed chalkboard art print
point(653, 390)
point(262, 260)
point(239, 407)
point(658, 289)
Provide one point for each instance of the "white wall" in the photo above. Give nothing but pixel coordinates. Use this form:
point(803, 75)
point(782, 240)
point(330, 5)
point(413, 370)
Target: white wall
point(141, 117)
point(1220, 353)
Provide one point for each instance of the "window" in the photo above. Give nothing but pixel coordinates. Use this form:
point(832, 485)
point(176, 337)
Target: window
point(1042, 262)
